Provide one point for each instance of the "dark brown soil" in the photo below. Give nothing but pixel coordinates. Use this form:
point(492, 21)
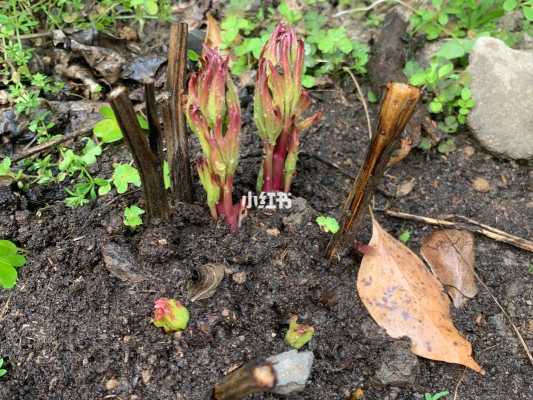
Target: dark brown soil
point(69, 326)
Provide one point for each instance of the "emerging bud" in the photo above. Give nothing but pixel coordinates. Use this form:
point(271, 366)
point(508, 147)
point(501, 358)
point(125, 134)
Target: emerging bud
point(214, 115)
point(279, 105)
point(170, 315)
point(298, 334)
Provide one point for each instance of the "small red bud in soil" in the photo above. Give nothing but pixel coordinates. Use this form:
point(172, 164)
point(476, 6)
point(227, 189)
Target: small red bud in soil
point(298, 334)
point(170, 315)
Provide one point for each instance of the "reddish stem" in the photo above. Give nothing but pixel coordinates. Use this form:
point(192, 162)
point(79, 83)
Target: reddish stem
point(267, 168)
point(280, 154)
point(230, 211)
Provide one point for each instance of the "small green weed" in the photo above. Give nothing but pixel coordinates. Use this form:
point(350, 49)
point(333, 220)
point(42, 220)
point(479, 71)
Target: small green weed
point(436, 396)
point(11, 258)
point(3, 371)
point(132, 216)
point(327, 224)
point(405, 236)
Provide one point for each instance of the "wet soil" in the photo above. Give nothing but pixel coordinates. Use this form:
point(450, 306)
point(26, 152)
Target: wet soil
point(70, 330)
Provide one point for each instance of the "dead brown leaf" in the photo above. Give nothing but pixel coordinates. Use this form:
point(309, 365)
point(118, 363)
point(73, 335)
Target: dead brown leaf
point(405, 187)
point(405, 299)
point(450, 254)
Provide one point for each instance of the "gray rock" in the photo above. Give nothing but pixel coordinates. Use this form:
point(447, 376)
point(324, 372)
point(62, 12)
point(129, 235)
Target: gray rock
point(502, 87)
point(120, 263)
point(398, 366)
point(300, 213)
point(292, 370)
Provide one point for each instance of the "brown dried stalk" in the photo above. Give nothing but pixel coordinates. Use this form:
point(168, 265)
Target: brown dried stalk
point(146, 152)
point(251, 378)
point(175, 130)
point(396, 109)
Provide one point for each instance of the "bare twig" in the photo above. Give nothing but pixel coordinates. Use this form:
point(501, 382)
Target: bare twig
point(62, 139)
point(148, 162)
point(396, 109)
point(54, 142)
point(175, 130)
point(469, 225)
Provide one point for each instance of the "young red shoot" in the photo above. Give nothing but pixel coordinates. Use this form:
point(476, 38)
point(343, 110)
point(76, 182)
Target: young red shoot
point(279, 104)
point(214, 115)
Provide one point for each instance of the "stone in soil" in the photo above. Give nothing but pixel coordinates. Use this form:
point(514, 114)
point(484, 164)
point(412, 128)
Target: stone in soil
point(292, 370)
point(120, 263)
point(502, 87)
point(398, 366)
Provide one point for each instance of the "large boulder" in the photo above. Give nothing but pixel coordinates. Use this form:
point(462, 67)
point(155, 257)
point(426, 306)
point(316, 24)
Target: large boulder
point(502, 87)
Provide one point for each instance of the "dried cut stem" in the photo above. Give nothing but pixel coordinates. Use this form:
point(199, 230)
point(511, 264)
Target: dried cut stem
point(396, 109)
point(148, 162)
point(175, 130)
point(251, 378)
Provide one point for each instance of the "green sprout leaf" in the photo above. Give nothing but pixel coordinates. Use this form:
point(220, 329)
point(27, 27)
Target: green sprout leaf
point(107, 130)
point(123, 175)
point(436, 396)
point(2, 370)
point(10, 258)
point(327, 224)
point(405, 236)
point(447, 146)
point(372, 97)
point(132, 216)
point(166, 175)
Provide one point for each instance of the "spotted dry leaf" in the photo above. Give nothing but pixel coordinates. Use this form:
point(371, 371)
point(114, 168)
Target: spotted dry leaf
point(450, 254)
point(405, 299)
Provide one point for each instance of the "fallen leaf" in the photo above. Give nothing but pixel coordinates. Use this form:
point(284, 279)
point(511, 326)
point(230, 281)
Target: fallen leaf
point(481, 185)
point(405, 299)
point(405, 187)
point(450, 254)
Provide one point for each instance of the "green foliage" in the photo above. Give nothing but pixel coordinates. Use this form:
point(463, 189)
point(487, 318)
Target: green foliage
point(132, 216)
point(449, 96)
point(457, 18)
point(446, 146)
point(405, 236)
point(372, 97)
point(108, 130)
point(327, 224)
point(328, 48)
point(123, 175)
point(11, 258)
point(3, 371)
point(436, 396)
point(525, 6)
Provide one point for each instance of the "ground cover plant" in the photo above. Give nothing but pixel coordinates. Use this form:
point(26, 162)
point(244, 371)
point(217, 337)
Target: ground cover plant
point(168, 297)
